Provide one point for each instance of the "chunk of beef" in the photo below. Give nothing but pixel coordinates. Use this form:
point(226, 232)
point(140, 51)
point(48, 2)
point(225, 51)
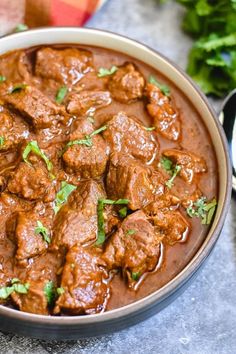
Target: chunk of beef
point(15, 66)
point(86, 102)
point(84, 281)
point(29, 242)
point(189, 162)
point(86, 161)
point(127, 84)
point(126, 135)
point(67, 66)
point(36, 108)
point(32, 183)
point(170, 224)
point(12, 130)
point(135, 248)
point(35, 301)
point(129, 179)
point(76, 221)
point(165, 117)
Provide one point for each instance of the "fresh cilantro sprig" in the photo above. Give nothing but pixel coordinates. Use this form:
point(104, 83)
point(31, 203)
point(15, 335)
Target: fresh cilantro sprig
point(106, 72)
point(15, 286)
point(2, 78)
point(135, 276)
point(101, 235)
point(2, 141)
point(32, 146)
point(51, 292)
point(202, 209)
point(21, 27)
point(212, 59)
point(170, 168)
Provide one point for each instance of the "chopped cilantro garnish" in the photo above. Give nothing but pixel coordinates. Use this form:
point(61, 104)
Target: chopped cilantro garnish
point(2, 141)
point(2, 78)
point(60, 291)
point(87, 141)
point(50, 292)
point(105, 72)
point(149, 129)
point(164, 88)
point(101, 235)
point(32, 146)
point(43, 231)
point(130, 232)
point(123, 212)
point(18, 88)
point(172, 169)
point(62, 195)
point(61, 93)
point(201, 209)
point(135, 276)
point(15, 286)
point(21, 27)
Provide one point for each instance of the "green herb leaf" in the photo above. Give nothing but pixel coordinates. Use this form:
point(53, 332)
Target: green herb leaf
point(61, 93)
point(135, 276)
point(32, 146)
point(87, 141)
point(18, 88)
point(202, 209)
point(149, 129)
point(130, 232)
point(50, 292)
point(164, 88)
point(101, 235)
point(166, 164)
point(15, 286)
point(123, 212)
point(60, 291)
point(21, 27)
point(105, 72)
point(43, 231)
point(170, 182)
point(62, 195)
point(2, 141)
point(2, 78)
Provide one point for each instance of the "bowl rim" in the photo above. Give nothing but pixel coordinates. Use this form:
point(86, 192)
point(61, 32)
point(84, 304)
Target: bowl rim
point(198, 258)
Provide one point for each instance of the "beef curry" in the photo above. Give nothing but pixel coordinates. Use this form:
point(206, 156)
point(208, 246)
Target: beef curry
point(108, 180)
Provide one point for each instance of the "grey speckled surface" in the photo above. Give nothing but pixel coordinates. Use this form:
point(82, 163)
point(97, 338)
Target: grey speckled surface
point(203, 319)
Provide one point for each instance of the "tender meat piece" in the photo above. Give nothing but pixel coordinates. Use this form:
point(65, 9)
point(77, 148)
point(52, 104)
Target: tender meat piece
point(36, 108)
point(67, 66)
point(165, 201)
point(76, 221)
point(35, 300)
point(165, 117)
point(86, 102)
point(12, 130)
point(127, 84)
point(190, 163)
point(129, 179)
point(126, 135)
point(169, 223)
point(15, 66)
point(23, 231)
point(86, 161)
point(32, 183)
point(84, 281)
point(135, 248)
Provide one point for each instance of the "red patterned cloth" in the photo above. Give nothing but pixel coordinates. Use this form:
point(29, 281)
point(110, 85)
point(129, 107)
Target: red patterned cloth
point(38, 13)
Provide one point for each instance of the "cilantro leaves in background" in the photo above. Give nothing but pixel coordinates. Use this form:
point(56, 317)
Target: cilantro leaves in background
point(212, 59)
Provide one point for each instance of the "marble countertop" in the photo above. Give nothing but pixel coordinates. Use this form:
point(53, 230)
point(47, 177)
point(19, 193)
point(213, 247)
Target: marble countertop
point(203, 319)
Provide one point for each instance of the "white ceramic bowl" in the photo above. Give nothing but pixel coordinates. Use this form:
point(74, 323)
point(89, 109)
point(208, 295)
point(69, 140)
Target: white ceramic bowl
point(66, 327)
